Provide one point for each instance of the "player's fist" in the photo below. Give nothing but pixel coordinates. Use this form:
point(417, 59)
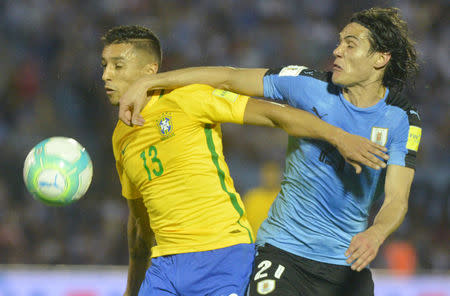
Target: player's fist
point(132, 102)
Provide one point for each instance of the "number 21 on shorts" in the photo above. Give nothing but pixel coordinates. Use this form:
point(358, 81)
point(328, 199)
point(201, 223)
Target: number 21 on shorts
point(263, 266)
point(266, 286)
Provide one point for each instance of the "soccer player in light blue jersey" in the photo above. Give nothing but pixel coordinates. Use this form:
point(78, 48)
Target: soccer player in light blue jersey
point(316, 239)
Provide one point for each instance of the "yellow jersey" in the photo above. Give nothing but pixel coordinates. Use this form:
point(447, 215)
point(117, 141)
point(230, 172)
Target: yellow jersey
point(257, 203)
point(175, 163)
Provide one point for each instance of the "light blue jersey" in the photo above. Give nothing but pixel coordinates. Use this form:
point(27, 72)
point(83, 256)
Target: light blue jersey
point(323, 203)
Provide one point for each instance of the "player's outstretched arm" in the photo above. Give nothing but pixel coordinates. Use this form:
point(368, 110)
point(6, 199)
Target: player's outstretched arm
point(364, 246)
point(240, 80)
point(355, 149)
point(140, 239)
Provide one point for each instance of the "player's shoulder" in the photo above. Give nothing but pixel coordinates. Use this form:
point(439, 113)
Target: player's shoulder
point(398, 100)
point(119, 131)
point(300, 71)
point(201, 92)
point(193, 89)
point(117, 136)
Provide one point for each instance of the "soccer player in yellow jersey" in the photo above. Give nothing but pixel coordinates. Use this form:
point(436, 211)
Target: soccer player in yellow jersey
point(175, 179)
point(257, 201)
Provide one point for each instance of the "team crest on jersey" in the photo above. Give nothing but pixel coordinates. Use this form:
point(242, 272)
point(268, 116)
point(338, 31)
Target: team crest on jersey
point(165, 125)
point(379, 135)
point(265, 287)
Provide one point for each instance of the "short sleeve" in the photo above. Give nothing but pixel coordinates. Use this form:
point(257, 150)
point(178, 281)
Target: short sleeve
point(299, 86)
point(279, 82)
point(209, 105)
point(405, 140)
point(129, 191)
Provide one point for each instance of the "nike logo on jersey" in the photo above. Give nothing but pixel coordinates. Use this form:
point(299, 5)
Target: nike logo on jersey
point(123, 150)
point(317, 113)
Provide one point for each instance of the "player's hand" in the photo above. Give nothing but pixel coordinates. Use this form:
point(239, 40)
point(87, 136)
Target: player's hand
point(363, 249)
point(359, 151)
point(132, 102)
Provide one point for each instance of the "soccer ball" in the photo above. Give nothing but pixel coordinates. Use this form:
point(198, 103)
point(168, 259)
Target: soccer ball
point(58, 171)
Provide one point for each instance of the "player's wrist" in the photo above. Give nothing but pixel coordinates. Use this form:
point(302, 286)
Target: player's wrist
point(377, 233)
point(336, 136)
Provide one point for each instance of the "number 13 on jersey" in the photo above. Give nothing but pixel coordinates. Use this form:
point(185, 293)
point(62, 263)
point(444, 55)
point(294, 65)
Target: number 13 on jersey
point(152, 155)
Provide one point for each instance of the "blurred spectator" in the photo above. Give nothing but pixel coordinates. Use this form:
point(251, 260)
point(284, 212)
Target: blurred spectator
point(401, 257)
point(258, 200)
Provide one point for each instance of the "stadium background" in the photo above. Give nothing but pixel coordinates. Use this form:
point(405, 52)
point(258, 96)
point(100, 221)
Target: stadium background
point(51, 86)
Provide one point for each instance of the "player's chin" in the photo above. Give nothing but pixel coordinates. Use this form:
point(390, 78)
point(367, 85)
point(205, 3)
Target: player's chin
point(337, 79)
point(113, 99)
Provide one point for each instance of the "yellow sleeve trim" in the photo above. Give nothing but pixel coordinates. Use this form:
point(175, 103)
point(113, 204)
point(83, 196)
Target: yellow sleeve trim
point(414, 135)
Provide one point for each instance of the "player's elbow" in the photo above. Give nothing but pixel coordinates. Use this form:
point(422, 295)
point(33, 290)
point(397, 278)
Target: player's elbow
point(289, 126)
point(401, 209)
point(404, 209)
point(139, 252)
point(230, 74)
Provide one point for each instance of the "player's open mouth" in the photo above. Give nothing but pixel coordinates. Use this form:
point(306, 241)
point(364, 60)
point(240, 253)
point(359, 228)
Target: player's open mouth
point(109, 90)
point(337, 67)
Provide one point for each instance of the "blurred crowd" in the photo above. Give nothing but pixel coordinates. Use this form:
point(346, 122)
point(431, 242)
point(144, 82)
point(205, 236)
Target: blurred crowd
point(51, 86)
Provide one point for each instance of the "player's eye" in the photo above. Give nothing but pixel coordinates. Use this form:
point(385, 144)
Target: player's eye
point(118, 66)
point(351, 45)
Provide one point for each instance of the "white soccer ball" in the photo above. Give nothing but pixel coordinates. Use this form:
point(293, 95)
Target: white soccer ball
point(58, 171)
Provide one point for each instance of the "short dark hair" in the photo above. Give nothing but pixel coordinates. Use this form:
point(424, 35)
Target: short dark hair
point(140, 37)
point(389, 33)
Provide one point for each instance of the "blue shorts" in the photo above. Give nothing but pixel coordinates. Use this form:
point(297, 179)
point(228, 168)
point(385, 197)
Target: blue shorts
point(220, 272)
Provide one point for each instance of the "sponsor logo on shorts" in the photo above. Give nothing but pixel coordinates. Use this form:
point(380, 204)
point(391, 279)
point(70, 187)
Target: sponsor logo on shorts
point(265, 287)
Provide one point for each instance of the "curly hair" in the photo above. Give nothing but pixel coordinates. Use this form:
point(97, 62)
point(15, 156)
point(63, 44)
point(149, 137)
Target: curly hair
point(140, 37)
point(389, 33)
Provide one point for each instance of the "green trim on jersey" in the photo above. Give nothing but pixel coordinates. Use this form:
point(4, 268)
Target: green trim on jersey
point(221, 175)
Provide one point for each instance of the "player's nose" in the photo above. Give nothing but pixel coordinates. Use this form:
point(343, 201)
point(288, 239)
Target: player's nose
point(337, 52)
point(106, 74)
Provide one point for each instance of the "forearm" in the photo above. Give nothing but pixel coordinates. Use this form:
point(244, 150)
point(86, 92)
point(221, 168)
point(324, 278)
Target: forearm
point(136, 275)
point(397, 186)
point(139, 258)
point(299, 123)
point(388, 219)
point(243, 81)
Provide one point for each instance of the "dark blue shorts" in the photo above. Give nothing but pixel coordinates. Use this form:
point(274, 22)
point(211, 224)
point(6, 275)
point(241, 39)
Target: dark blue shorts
point(220, 272)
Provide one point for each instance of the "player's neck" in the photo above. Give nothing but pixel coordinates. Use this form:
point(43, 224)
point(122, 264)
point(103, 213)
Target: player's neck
point(364, 96)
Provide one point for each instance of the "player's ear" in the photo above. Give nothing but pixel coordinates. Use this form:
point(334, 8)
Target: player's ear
point(382, 59)
point(151, 68)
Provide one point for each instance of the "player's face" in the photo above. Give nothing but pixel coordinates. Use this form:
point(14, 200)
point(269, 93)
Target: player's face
point(122, 65)
point(354, 62)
